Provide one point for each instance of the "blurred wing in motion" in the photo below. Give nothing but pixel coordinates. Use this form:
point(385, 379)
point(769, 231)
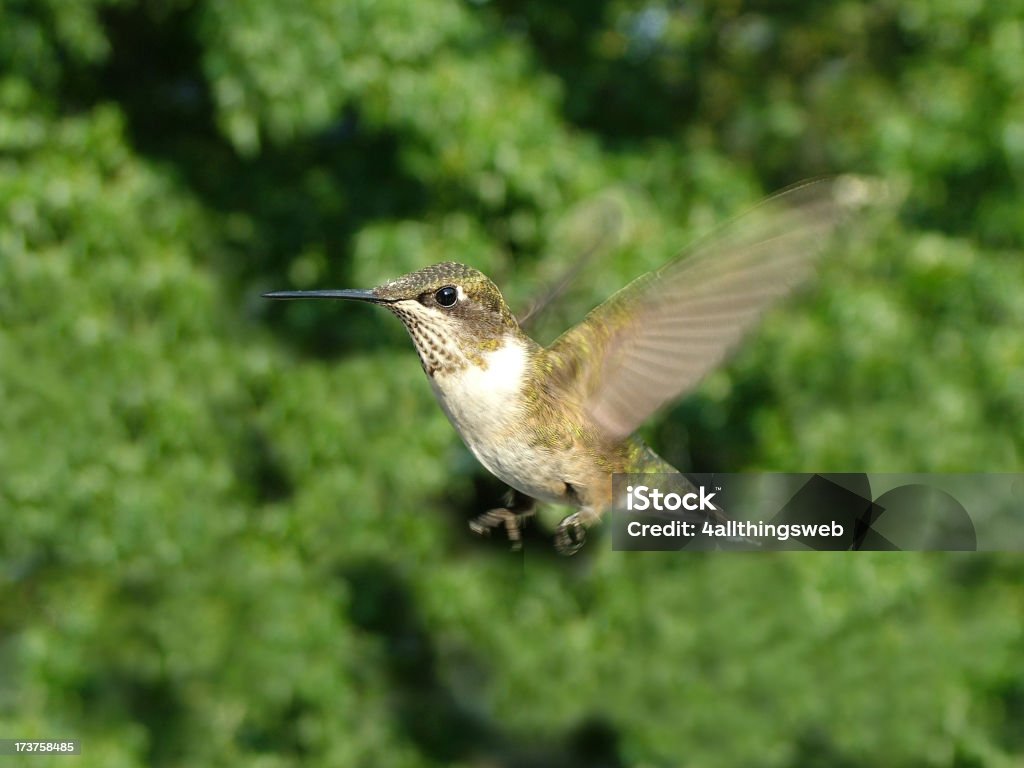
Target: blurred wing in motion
point(660, 335)
point(593, 230)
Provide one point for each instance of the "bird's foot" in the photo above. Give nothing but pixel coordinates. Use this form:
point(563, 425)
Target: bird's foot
point(512, 519)
point(571, 534)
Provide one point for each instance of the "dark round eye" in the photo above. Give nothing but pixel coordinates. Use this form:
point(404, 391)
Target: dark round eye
point(447, 296)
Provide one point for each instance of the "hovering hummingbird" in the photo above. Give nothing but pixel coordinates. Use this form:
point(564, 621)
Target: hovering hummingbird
point(556, 422)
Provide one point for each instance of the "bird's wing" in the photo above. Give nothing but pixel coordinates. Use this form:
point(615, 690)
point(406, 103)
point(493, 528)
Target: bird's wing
point(594, 228)
point(661, 334)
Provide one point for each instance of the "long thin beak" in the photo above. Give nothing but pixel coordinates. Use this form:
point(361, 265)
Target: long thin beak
point(354, 295)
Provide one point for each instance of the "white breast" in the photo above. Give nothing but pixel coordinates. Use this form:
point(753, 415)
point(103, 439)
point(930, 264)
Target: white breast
point(484, 399)
point(484, 404)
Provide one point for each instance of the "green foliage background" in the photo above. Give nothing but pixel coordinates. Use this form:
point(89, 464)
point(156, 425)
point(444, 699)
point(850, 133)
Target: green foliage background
point(234, 533)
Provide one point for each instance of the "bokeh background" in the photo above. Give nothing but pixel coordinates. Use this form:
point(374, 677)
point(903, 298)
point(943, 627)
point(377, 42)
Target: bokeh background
point(234, 533)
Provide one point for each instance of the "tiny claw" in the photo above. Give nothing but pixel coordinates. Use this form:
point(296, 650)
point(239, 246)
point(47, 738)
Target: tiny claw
point(483, 524)
point(570, 536)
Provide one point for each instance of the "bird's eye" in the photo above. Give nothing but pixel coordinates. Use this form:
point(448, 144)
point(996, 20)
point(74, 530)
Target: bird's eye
point(447, 296)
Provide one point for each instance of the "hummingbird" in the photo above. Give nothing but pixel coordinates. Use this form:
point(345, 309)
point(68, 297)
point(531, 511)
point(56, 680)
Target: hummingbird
point(555, 423)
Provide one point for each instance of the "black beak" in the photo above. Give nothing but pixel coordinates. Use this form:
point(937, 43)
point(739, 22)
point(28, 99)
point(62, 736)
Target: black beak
point(354, 295)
